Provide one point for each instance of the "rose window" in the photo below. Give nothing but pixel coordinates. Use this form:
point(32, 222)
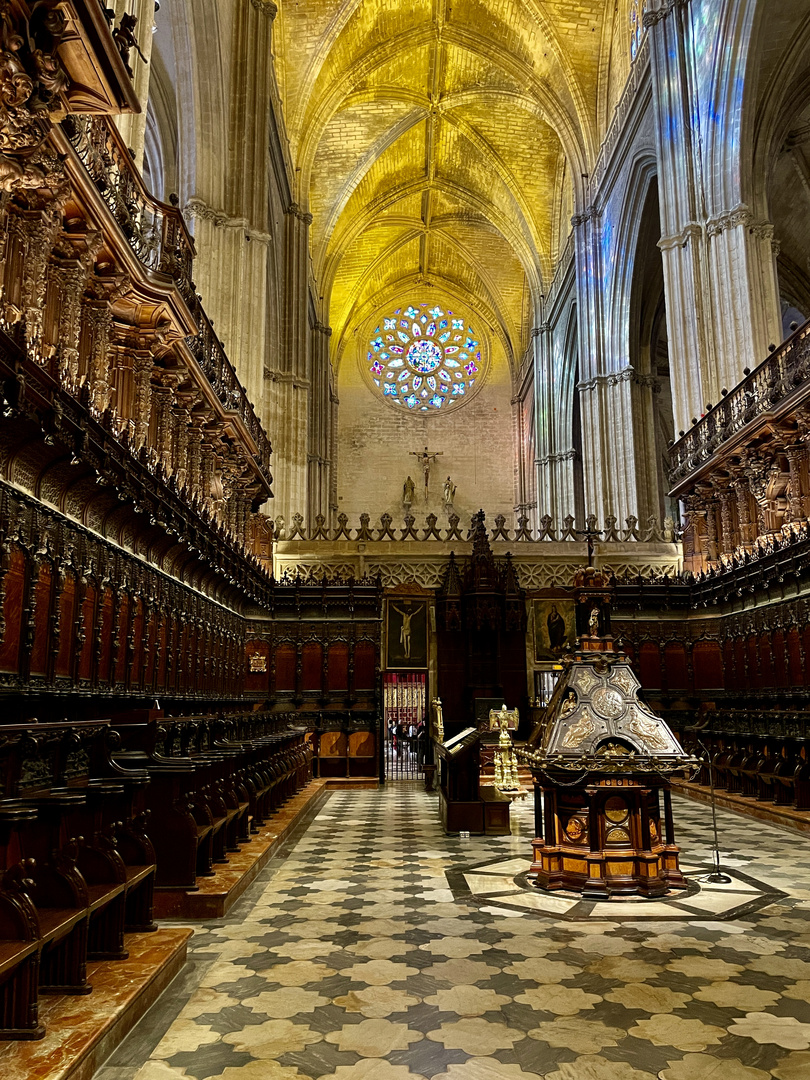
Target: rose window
point(424, 358)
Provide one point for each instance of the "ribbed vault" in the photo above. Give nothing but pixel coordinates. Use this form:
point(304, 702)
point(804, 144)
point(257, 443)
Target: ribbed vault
point(440, 144)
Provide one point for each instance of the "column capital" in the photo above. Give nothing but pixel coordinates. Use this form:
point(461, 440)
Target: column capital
point(295, 210)
point(268, 8)
point(654, 16)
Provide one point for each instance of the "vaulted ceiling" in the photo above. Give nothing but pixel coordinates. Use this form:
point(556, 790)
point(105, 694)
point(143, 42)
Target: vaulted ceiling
point(437, 145)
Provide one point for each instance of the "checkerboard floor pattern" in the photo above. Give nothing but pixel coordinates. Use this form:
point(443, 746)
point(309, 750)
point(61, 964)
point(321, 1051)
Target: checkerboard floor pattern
point(352, 958)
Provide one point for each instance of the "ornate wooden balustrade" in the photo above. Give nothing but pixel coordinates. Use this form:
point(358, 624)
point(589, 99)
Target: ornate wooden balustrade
point(742, 469)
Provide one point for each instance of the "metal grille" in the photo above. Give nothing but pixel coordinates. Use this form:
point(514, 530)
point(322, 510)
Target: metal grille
point(406, 730)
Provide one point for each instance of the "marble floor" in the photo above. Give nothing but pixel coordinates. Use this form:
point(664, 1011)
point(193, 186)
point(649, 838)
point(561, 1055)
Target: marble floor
point(364, 953)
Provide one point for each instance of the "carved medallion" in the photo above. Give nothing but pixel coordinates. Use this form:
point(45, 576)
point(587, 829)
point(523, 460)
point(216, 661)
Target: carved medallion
point(608, 703)
point(576, 829)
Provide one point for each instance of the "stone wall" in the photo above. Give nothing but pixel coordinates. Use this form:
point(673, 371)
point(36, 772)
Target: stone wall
point(375, 439)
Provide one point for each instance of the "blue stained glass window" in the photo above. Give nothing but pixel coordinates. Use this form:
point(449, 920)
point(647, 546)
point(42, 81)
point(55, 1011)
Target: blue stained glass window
point(420, 364)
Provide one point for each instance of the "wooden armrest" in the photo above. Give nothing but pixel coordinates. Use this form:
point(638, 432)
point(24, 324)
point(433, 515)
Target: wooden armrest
point(137, 874)
point(54, 923)
point(13, 953)
point(101, 895)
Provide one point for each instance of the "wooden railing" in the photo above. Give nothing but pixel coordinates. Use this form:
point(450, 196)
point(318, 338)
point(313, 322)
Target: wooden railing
point(157, 234)
point(772, 387)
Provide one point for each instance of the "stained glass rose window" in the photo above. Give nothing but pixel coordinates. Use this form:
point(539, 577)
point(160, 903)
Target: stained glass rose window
point(425, 358)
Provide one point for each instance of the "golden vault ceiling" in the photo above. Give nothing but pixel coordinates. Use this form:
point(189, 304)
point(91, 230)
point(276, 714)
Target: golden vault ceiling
point(437, 144)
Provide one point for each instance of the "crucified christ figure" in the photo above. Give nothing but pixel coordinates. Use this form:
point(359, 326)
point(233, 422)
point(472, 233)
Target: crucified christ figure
point(426, 459)
point(405, 631)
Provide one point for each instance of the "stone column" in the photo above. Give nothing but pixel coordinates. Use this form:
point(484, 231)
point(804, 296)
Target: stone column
point(289, 384)
point(133, 125)
point(234, 239)
point(719, 262)
point(611, 453)
point(544, 406)
point(320, 425)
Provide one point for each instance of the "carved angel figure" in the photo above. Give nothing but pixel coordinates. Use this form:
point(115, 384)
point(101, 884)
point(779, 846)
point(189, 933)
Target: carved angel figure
point(577, 735)
point(647, 729)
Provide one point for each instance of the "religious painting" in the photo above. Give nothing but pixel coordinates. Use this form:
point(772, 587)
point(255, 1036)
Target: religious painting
point(406, 633)
point(554, 628)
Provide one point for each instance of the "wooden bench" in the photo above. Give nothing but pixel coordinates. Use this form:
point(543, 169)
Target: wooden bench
point(66, 888)
point(214, 782)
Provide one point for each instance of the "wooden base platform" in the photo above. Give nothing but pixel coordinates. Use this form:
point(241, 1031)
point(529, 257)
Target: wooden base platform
point(785, 816)
point(216, 895)
point(82, 1032)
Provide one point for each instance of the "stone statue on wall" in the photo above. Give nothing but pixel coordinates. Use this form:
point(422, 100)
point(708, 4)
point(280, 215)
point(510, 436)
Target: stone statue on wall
point(426, 459)
point(449, 493)
point(408, 491)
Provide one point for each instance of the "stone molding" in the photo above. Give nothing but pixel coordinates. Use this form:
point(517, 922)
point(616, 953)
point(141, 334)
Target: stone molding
point(611, 378)
point(555, 568)
point(582, 219)
point(199, 209)
point(691, 231)
point(287, 378)
point(730, 219)
point(553, 459)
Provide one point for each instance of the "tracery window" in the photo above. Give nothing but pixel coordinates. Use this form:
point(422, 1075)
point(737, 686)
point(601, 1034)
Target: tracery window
point(425, 358)
point(637, 9)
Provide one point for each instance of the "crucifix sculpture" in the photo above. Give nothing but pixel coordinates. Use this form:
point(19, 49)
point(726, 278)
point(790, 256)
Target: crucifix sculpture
point(426, 459)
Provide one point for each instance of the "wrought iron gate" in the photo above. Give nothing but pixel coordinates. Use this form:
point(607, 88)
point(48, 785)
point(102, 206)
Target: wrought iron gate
point(406, 724)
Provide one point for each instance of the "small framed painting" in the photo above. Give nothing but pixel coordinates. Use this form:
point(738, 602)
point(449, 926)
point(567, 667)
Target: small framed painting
point(555, 628)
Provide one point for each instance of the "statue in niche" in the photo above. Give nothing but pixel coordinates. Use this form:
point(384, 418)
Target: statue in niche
point(669, 530)
point(408, 491)
point(449, 493)
point(593, 623)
